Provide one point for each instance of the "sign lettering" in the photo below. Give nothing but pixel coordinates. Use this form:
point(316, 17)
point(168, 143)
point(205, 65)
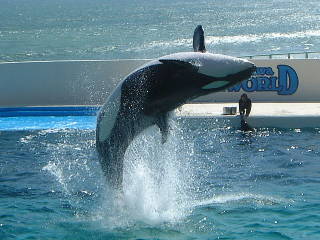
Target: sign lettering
point(263, 79)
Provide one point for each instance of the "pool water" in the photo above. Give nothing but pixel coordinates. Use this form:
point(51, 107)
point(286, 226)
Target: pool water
point(205, 182)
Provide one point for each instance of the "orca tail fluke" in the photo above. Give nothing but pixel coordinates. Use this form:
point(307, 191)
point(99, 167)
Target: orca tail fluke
point(198, 40)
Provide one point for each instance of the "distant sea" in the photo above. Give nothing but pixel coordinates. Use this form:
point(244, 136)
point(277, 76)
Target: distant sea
point(127, 29)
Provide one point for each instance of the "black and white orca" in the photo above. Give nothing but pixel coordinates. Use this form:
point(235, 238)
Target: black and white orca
point(145, 97)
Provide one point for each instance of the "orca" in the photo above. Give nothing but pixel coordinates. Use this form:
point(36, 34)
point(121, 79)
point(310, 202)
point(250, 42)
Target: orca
point(145, 97)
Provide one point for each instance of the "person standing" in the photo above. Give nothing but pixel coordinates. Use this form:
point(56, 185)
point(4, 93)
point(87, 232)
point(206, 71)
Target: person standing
point(244, 105)
point(244, 109)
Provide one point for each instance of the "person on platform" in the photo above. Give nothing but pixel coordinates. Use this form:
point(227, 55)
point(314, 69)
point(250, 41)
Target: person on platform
point(245, 105)
point(244, 109)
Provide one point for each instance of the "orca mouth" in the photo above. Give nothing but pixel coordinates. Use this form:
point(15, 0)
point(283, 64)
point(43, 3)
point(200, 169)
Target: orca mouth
point(218, 84)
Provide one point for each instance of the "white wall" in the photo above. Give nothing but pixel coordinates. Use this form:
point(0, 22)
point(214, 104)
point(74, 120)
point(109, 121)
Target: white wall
point(89, 82)
point(61, 82)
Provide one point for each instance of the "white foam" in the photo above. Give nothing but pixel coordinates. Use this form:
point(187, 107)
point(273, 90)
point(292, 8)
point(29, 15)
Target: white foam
point(59, 174)
point(235, 39)
point(238, 197)
point(153, 186)
point(212, 40)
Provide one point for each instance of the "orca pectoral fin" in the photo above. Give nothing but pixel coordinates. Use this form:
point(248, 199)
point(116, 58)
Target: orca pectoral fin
point(198, 40)
point(162, 123)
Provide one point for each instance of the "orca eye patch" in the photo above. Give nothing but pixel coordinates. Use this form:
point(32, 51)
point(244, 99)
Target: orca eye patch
point(215, 84)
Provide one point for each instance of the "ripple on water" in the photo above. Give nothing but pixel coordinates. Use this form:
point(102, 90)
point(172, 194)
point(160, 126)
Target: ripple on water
point(175, 191)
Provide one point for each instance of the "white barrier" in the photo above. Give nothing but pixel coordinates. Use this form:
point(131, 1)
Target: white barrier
point(90, 82)
point(61, 82)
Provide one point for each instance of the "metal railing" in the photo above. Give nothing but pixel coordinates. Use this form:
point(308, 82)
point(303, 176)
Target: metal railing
point(301, 55)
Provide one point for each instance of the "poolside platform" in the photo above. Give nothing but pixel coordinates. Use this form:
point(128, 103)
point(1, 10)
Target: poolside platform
point(263, 115)
point(277, 115)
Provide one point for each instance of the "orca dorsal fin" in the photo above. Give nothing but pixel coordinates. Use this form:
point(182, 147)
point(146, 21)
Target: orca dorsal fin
point(198, 40)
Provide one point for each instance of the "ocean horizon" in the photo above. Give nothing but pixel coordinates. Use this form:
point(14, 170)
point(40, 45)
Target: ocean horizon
point(110, 29)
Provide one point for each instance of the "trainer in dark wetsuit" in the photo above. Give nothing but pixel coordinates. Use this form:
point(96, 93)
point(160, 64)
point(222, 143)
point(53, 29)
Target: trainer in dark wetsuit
point(244, 109)
point(244, 105)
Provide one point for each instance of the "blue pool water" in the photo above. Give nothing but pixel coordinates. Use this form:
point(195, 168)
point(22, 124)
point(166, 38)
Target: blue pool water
point(206, 182)
point(47, 122)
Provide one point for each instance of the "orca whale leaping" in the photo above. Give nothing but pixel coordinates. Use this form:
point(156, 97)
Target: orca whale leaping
point(146, 95)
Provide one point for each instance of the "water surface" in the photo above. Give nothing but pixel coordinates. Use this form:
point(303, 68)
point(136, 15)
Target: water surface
point(113, 29)
point(206, 182)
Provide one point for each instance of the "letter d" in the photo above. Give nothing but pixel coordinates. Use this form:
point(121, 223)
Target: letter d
point(288, 80)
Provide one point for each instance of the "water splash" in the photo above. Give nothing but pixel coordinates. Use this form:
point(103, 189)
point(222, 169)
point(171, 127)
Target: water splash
point(155, 183)
point(156, 176)
point(164, 184)
point(71, 160)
